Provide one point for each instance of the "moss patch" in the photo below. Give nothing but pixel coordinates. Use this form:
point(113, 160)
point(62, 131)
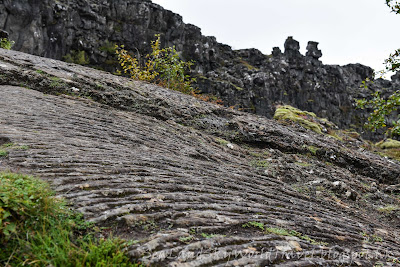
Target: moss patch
point(247, 65)
point(304, 118)
point(388, 144)
point(389, 148)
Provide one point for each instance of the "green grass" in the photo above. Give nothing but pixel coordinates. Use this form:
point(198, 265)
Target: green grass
point(3, 153)
point(371, 238)
point(313, 150)
point(255, 225)
point(186, 238)
point(388, 209)
point(210, 235)
point(260, 163)
point(40, 230)
point(282, 231)
point(8, 145)
point(221, 141)
point(303, 164)
point(14, 146)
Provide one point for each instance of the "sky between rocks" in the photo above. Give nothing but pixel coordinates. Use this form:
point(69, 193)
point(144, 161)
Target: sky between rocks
point(348, 31)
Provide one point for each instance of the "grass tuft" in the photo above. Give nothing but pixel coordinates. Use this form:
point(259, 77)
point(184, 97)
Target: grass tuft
point(38, 229)
point(3, 153)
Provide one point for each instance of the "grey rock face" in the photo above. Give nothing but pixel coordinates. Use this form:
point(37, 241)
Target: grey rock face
point(246, 79)
point(182, 176)
point(292, 47)
point(312, 50)
point(3, 34)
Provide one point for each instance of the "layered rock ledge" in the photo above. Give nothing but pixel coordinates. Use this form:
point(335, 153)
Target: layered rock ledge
point(246, 79)
point(183, 177)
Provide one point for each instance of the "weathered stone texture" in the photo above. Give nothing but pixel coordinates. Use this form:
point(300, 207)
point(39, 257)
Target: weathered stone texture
point(246, 79)
point(182, 176)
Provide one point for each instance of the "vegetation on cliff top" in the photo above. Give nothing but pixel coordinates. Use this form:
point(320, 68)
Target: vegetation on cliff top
point(163, 67)
point(383, 107)
point(37, 228)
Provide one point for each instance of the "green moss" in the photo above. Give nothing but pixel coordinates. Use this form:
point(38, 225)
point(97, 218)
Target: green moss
point(303, 164)
point(108, 47)
point(236, 87)
point(247, 65)
point(221, 141)
point(260, 163)
point(254, 224)
point(118, 27)
point(8, 145)
point(282, 231)
point(3, 153)
point(371, 238)
point(285, 232)
point(312, 149)
point(335, 134)
point(205, 235)
point(304, 118)
point(277, 231)
point(390, 148)
point(388, 144)
point(186, 239)
point(388, 209)
point(77, 57)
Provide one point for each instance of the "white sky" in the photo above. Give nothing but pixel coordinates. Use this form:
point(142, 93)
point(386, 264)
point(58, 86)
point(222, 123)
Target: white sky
point(348, 31)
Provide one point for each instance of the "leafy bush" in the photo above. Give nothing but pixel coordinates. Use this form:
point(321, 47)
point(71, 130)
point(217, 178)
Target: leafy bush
point(6, 44)
point(161, 66)
point(382, 108)
point(40, 230)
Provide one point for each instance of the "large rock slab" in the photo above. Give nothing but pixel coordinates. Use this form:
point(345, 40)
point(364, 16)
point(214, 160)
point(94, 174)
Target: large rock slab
point(246, 79)
point(182, 176)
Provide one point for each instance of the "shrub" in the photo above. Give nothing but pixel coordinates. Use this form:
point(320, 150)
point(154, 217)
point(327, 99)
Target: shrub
point(382, 109)
point(161, 66)
point(6, 44)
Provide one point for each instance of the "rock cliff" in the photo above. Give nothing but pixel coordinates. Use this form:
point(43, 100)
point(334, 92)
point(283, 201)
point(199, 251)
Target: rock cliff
point(196, 184)
point(246, 79)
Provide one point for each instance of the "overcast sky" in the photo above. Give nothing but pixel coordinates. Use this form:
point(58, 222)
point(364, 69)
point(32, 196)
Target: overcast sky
point(348, 31)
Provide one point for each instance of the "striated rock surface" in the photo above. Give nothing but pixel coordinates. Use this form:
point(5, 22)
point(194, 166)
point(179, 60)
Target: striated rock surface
point(246, 79)
point(194, 183)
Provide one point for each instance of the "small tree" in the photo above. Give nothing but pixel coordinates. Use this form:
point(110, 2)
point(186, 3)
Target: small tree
point(384, 107)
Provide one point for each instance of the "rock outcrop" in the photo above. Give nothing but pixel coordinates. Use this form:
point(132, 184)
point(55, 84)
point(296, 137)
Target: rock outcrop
point(246, 79)
point(196, 184)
